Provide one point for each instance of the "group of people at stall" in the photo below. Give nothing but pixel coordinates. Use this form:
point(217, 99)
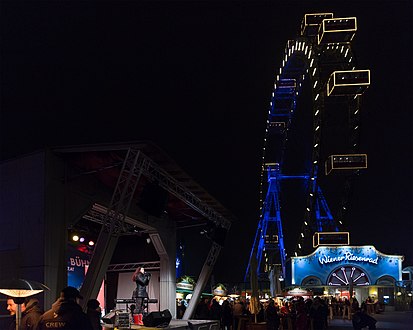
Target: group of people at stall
point(278, 314)
point(295, 313)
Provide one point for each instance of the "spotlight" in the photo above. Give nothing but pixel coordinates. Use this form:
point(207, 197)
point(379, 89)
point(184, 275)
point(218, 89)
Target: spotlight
point(91, 243)
point(75, 238)
point(81, 240)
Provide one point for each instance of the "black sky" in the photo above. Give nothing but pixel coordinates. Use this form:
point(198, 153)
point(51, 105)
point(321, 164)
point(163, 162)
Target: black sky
point(195, 77)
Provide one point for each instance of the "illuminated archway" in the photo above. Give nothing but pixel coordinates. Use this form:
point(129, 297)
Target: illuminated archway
point(386, 280)
point(311, 281)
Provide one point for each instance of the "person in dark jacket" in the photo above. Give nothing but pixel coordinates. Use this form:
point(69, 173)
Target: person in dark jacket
point(142, 280)
point(318, 314)
point(361, 320)
point(94, 313)
point(226, 316)
point(31, 313)
point(215, 311)
point(271, 316)
point(65, 313)
point(202, 310)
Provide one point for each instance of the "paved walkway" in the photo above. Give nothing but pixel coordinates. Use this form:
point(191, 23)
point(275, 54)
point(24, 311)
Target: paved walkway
point(386, 321)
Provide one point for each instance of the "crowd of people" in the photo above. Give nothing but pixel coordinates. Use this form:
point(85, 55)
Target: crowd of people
point(293, 314)
point(66, 313)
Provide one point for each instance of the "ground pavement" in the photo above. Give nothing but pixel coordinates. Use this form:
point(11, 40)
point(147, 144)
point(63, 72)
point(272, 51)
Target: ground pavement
point(386, 321)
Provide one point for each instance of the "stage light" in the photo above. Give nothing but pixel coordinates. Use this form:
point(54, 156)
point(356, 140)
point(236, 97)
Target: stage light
point(75, 238)
point(91, 243)
point(81, 240)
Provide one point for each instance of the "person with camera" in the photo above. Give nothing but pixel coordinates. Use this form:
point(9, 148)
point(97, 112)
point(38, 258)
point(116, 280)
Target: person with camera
point(140, 294)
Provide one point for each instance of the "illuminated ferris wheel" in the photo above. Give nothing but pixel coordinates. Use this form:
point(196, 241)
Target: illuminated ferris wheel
point(311, 142)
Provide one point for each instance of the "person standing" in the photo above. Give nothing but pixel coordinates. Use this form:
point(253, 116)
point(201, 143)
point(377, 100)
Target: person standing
point(318, 313)
point(65, 313)
point(215, 311)
point(94, 313)
point(302, 319)
point(139, 294)
point(181, 308)
point(272, 317)
point(238, 311)
point(226, 316)
point(31, 313)
point(202, 310)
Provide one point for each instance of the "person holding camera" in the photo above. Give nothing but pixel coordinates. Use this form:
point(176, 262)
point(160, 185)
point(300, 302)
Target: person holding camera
point(140, 294)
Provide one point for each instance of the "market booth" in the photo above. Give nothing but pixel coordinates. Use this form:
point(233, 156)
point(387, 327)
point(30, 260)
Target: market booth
point(339, 271)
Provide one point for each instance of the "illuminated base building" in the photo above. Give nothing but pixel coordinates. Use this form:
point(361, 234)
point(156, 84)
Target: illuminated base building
point(337, 270)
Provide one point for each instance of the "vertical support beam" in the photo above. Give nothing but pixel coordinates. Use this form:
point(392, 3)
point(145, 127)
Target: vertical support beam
point(254, 248)
point(271, 217)
point(112, 226)
point(202, 279)
point(167, 285)
point(97, 268)
point(165, 245)
point(56, 220)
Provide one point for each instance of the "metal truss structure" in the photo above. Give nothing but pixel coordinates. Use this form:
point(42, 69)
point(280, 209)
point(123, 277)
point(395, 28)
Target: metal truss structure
point(113, 223)
point(149, 265)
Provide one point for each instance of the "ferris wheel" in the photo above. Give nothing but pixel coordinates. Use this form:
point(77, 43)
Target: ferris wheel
point(311, 143)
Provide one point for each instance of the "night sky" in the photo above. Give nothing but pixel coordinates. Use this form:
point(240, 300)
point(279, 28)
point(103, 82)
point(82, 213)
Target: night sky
point(195, 77)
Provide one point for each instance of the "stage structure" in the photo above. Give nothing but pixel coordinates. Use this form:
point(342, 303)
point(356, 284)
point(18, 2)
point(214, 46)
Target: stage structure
point(123, 190)
point(311, 143)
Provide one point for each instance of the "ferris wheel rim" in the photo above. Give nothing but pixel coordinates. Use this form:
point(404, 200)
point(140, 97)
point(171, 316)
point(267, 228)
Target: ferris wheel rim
point(309, 52)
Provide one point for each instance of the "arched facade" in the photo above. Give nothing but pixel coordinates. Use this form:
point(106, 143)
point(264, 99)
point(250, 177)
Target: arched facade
point(339, 270)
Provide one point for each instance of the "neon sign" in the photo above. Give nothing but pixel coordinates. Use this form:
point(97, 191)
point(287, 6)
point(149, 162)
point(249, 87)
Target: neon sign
point(348, 256)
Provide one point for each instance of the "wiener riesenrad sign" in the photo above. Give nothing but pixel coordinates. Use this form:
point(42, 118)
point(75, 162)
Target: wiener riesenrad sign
point(321, 266)
point(348, 256)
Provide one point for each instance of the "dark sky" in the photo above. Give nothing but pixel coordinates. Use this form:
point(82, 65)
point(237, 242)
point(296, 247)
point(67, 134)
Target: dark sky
point(195, 77)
